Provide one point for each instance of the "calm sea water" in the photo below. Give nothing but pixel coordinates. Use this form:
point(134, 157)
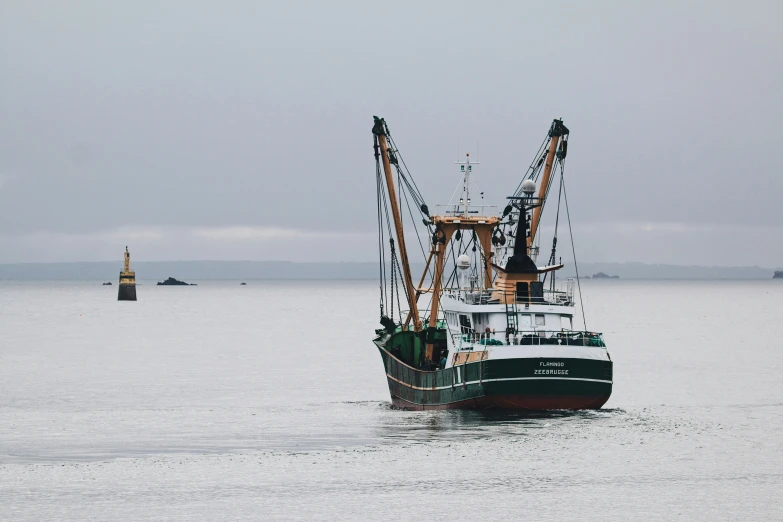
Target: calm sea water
point(268, 401)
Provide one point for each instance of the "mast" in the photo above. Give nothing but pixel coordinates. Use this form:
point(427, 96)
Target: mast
point(445, 228)
point(438, 250)
point(379, 129)
point(555, 132)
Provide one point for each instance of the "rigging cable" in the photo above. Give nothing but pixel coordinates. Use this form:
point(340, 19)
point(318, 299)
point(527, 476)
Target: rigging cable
point(399, 156)
point(453, 274)
point(552, 256)
point(573, 249)
point(418, 237)
point(391, 238)
point(396, 278)
point(393, 261)
point(408, 189)
point(534, 165)
point(405, 180)
point(396, 261)
point(381, 250)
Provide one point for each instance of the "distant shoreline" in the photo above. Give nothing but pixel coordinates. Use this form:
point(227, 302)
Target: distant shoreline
point(343, 271)
point(249, 281)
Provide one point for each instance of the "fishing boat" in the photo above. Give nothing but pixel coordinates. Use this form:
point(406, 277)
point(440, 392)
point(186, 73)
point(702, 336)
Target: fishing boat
point(486, 327)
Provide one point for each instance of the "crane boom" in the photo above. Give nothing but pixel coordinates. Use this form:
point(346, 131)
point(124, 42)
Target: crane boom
point(556, 131)
point(380, 131)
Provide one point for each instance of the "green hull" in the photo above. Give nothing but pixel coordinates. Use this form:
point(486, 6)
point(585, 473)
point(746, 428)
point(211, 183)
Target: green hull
point(513, 384)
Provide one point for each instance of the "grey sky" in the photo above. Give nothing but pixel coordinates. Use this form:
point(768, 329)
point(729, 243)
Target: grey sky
point(241, 130)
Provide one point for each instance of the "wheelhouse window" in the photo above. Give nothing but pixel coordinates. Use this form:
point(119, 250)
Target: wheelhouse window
point(565, 322)
point(464, 323)
point(523, 292)
point(480, 321)
point(540, 320)
point(451, 319)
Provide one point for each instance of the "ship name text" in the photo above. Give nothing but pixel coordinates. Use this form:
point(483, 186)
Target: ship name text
point(550, 370)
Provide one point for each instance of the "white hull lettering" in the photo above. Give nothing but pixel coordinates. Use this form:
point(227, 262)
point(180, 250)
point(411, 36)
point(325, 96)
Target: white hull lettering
point(550, 372)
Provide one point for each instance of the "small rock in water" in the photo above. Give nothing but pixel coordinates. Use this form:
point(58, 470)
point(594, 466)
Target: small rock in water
point(174, 282)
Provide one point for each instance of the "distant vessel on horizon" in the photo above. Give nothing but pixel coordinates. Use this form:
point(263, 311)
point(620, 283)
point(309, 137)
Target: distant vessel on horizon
point(498, 332)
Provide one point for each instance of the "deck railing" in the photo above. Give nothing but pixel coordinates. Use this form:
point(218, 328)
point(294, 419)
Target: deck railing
point(526, 338)
point(493, 297)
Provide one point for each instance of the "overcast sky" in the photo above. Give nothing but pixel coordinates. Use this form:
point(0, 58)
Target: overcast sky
point(241, 130)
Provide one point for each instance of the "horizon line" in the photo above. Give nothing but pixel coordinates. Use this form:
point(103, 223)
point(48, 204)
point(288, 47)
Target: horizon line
point(360, 262)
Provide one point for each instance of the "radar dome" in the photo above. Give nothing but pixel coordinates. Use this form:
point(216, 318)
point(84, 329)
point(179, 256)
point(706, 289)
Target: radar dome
point(528, 186)
point(463, 262)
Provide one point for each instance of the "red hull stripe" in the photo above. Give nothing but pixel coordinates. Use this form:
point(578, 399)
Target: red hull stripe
point(513, 402)
point(499, 380)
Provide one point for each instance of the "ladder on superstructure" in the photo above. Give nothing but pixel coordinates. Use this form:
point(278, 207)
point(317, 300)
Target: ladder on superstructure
point(511, 316)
